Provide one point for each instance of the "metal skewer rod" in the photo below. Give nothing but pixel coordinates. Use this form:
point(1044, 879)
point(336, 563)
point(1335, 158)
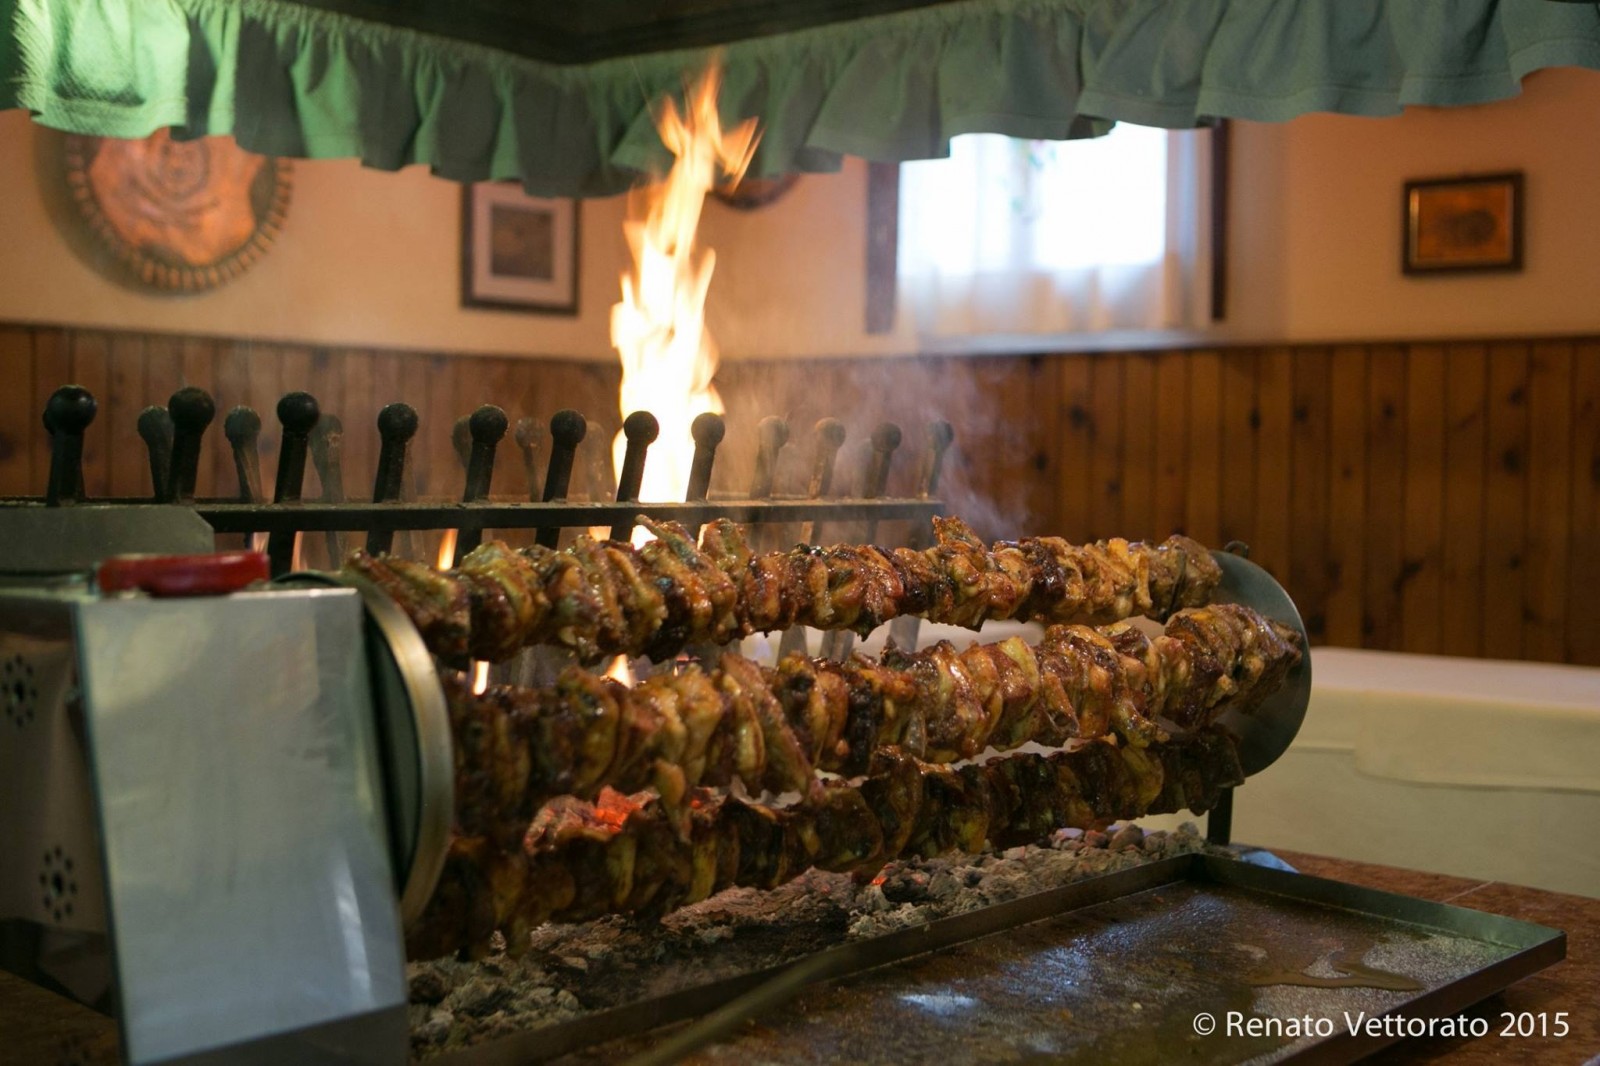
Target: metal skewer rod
point(486, 426)
point(67, 414)
point(191, 410)
point(397, 424)
point(567, 430)
point(155, 428)
point(836, 644)
point(242, 427)
point(640, 430)
point(829, 434)
point(708, 430)
point(297, 413)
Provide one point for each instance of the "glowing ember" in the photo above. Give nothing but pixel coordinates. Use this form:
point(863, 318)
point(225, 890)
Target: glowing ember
point(618, 670)
point(668, 358)
point(480, 677)
point(447, 550)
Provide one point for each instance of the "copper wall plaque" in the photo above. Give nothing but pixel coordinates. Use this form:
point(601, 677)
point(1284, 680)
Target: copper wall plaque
point(179, 216)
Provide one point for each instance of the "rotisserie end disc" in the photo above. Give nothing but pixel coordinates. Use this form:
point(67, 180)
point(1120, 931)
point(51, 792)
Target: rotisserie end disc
point(413, 725)
point(1267, 731)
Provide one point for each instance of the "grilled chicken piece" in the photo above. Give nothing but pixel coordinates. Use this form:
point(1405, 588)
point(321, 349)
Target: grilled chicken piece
point(772, 729)
point(627, 854)
point(602, 598)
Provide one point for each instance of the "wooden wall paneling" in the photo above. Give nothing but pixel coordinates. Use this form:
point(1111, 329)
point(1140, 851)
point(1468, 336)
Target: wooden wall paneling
point(1074, 482)
point(263, 364)
point(1430, 498)
point(738, 384)
point(413, 389)
point(1169, 494)
point(1026, 391)
point(1424, 499)
point(1550, 401)
point(1274, 403)
point(1386, 456)
point(91, 368)
point(1105, 464)
point(479, 385)
point(1505, 501)
point(325, 383)
point(1583, 561)
point(1203, 449)
point(360, 416)
point(18, 421)
point(1138, 445)
point(1241, 420)
point(52, 368)
point(1347, 495)
point(1308, 521)
point(294, 369)
point(231, 370)
point(437, 466)
point(163, 372)
point(1461, 613)
point(127, 461)
point(325, 377)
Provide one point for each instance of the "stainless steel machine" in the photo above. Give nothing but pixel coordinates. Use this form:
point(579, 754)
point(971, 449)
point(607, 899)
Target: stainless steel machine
point(225, 798)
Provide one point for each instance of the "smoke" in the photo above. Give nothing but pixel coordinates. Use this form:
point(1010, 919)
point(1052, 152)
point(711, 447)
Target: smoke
point(991, 475)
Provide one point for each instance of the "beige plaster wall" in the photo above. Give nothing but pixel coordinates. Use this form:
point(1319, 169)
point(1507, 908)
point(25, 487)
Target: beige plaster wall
point(371, 258)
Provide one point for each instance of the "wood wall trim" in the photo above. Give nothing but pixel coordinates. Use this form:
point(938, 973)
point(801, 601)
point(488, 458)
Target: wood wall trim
point(1439, 496)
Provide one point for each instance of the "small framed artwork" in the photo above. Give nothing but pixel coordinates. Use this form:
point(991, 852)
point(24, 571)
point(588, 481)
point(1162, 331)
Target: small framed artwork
point(518, 252)
point(1469, 223)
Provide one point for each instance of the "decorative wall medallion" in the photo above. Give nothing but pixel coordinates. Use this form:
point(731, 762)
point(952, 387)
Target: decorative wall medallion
point(179, 216)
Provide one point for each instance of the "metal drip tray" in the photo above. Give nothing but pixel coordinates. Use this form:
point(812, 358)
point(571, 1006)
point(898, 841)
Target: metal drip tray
point(1111, 970)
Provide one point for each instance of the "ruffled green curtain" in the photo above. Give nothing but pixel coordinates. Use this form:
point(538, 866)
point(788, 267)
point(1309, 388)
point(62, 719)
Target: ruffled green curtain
point(292, 81)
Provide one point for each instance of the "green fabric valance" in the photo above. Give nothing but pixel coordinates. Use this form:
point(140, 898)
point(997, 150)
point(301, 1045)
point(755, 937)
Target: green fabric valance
point(289, 80)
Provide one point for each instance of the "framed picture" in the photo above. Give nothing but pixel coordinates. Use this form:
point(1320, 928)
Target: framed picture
point(518, 252)
point(1470, 223)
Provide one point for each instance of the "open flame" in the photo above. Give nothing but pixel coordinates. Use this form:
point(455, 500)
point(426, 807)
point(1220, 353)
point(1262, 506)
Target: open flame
point(620, 671)
point(447, 550)
point(668, 357)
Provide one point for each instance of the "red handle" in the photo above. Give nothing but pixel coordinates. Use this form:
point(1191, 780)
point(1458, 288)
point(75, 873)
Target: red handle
point(183, 575)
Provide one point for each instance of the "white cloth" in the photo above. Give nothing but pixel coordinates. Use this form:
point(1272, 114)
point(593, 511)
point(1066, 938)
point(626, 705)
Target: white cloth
point(1011, 236)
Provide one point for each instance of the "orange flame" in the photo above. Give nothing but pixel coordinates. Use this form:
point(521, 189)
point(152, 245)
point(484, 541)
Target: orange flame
point(620, 671)
point(668, 357)
point(480, 677)
point(447, 550)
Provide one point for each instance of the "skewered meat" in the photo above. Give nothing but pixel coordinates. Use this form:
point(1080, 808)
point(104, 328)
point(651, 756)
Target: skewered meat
point(628, 854)
point(517, 748)
point(604, 598)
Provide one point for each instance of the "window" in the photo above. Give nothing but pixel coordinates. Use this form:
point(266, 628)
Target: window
point(1009, 236)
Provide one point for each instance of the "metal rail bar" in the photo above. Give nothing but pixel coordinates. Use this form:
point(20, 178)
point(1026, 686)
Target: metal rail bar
point(315, 516)
point(312, 516)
